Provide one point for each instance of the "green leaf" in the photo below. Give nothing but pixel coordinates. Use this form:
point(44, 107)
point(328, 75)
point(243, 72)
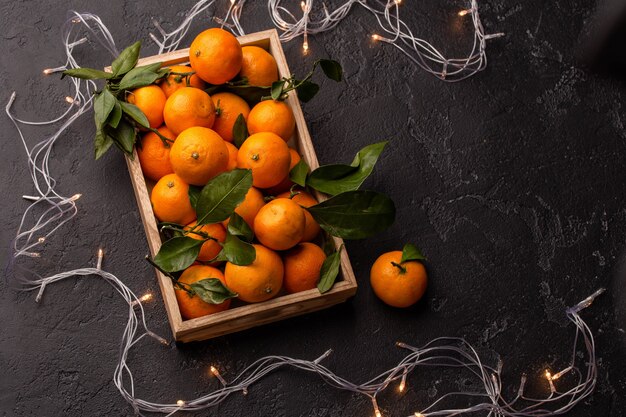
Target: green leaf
point(307, 90)
point(240, 131)
point(138, 77)
point(277, 89)
point(124, 136)
point(102, 106)
point(332, 69)
point(194, 195)
point(237, 226)
point(87, 74)
point(236, 251)
point(135, 113)
point(102, 143)
point(299, 172)
point(221, 195)
point(126, 60)
point(355, 214)
point(212, 291)
point(178, 253)
point(339, 178)
point(411, 253)
point(329, 271)
point(251, 93)
point(115, 116)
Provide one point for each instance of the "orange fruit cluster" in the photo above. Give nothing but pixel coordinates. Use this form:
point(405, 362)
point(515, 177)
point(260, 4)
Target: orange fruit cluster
point(194, 145)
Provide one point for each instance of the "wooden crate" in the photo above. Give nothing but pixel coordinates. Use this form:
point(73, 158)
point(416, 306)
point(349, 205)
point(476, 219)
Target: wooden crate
point(249, 315)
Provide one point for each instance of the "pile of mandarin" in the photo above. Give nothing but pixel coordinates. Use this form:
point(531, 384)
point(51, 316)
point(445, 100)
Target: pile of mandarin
point(199, 146)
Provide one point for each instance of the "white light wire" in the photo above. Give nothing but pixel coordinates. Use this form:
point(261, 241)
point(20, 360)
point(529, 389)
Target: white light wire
point(445, 352)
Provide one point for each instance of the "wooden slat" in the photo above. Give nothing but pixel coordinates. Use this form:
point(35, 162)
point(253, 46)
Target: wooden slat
point(250, 315)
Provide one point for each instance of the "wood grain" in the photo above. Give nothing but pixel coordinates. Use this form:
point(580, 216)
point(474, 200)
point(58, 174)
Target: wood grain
point(251, 315)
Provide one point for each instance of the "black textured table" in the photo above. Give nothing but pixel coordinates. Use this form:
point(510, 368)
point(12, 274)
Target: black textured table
point(511, 182)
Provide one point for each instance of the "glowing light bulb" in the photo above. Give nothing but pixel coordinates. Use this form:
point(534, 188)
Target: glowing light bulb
point(145, 297)
point(76, 20)
point(100, 257)
point(303, 6)
point(180, 403)
point(465, 12)
point(398, 2)
point(548, 375)
point(419, 414)
point(48, 71)
point(41, 239)
point(69, 99)
point(401, 386)
point(75, 197)
point(305, 47)
point(375, 37)
point(217, 374)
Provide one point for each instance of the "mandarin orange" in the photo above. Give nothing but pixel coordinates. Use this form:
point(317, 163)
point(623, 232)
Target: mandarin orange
point(303, 264)
point(249, 207)
point(170, 200)
point(154, 154)
point(272, 116)
point(188, 107)
point(304, 199)
point(151, 101)
point(211, 247)
point(258, 66)
point(280, 224)
point(286, 183)
point(192, 307)
point(176, 81)
point(215, 55)
point(259, 281)
point(267, 155)
point(232, 156)
point(398, 284)
point(228, 107)
point(198, 154)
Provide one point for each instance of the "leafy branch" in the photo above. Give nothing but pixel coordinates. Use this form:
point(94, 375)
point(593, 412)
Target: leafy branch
point(305, 88)
point(117, 121)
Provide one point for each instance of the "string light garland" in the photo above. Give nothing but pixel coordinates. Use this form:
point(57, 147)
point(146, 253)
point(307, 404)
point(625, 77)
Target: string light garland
point(444, 352)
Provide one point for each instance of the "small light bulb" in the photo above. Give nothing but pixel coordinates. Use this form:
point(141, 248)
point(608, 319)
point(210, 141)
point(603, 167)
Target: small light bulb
point(377, 413)
point(401, 386)
point(180, 403)
point(217, 374)
point(69, 99)
point(305, 47)
point(48, 71)
point(100, 257)
point(303, 6)
point(548, 375)
point(419, 414)
point(232, 1)
point(75, 197)
point(375, 37)
point(465, 12)
point(41, 239)
point(76, 20)
point(398, 2)
point(145, 297)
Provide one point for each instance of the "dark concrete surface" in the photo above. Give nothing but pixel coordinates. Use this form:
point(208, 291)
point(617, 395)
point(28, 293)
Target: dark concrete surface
point(512, 183)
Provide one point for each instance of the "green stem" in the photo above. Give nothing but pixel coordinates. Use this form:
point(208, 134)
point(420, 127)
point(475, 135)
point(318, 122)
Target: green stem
point(166, 141)
point(400, 267)
point(177, 284)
